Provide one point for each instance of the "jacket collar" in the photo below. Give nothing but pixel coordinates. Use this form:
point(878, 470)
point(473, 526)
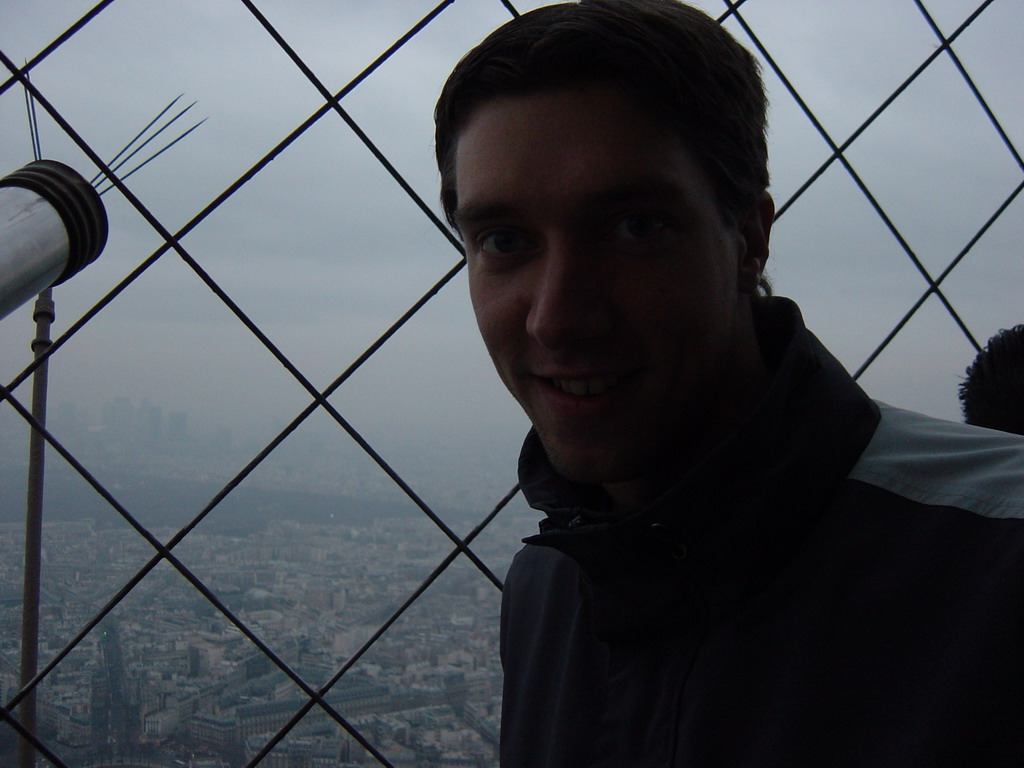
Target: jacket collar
point(729, 523)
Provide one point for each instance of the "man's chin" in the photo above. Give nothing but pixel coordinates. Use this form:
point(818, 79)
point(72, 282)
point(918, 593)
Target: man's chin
point(592, 467)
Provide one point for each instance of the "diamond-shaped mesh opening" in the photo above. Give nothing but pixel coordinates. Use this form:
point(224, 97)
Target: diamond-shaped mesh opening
point(279, 471)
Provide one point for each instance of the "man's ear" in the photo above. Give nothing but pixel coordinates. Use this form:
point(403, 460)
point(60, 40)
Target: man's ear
point(755, 227)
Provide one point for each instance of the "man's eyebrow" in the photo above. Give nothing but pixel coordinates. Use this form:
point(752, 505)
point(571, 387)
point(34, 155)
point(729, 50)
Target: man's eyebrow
point(475, 213)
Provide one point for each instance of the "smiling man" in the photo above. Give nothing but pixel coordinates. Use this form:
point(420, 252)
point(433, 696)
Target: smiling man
point(744, 560)
point(611, 291)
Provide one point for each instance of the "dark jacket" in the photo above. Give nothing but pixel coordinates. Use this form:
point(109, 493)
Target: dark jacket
point(840, 584)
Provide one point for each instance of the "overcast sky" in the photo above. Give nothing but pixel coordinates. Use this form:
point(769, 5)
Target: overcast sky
point(324, 251)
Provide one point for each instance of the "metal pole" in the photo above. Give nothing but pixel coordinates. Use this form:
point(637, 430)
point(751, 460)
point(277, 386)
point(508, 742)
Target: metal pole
point(43, 315)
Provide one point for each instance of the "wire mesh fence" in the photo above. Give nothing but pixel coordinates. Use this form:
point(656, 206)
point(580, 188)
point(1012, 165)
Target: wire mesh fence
point(280, 475)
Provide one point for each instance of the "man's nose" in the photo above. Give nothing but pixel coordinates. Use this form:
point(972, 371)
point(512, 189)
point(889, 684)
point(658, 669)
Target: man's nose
point(571, 299)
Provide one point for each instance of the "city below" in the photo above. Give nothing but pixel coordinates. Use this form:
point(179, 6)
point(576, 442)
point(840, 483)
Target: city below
point(166, 679)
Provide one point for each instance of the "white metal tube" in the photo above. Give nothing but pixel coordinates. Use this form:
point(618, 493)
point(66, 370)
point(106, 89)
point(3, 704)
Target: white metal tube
point(34, 246)
point(52, 224)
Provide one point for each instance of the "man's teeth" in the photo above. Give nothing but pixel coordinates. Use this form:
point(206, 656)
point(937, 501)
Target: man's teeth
point(594, 386)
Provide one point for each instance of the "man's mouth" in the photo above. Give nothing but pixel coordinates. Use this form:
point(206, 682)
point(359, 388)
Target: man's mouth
point(585, 387)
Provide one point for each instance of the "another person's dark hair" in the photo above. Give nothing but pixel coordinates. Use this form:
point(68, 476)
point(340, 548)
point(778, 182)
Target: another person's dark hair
point(992, 395)
point(678, 62)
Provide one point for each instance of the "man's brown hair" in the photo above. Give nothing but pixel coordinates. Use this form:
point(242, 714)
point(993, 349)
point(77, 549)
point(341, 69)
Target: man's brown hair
point(678, 62)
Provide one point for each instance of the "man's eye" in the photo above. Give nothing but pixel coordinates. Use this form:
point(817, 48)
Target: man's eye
point(501, 243)
point(638, 226)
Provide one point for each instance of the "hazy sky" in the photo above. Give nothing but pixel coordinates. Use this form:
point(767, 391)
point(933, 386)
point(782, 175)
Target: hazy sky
point(324, 251)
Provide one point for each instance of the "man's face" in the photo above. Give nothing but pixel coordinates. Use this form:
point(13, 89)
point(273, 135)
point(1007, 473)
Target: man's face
point(608, 287)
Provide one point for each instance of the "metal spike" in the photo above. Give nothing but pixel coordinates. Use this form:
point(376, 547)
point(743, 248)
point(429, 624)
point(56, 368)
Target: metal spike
point(154, 155)
point(124, 149)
